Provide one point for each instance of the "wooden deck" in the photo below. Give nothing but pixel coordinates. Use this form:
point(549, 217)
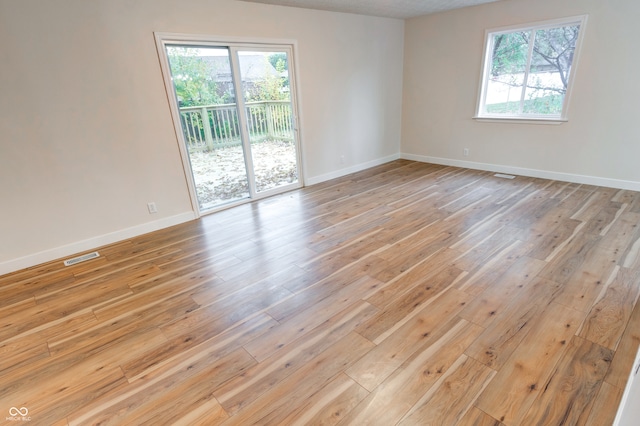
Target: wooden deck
point(409, 293)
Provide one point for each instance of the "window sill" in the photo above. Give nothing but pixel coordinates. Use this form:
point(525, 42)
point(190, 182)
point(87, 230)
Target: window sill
point(520, 120)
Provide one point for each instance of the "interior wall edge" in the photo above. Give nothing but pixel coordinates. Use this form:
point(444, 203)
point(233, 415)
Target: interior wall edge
point(352, 169)
point(92, 243)
point(521, 171)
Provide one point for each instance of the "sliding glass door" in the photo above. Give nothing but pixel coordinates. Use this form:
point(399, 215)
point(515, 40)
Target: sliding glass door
point(266, 93)
point(235, 110)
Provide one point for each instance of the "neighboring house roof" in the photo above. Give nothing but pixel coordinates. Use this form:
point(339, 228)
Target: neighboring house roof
point(252, 67)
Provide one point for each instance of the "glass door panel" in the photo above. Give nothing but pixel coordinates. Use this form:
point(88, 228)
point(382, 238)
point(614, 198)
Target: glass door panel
point(234, 105)
point(266, 94)
point(203, 83)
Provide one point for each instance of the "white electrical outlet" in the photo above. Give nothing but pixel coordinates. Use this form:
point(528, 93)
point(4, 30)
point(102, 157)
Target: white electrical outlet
point(152, 208)
point(342, 159)
point(465, 152)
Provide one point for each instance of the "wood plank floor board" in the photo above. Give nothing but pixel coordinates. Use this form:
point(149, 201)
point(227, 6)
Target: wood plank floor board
point(125, 267)
point(42, 320)
point(592, 207)
point(626, 351)
point(261, 269)
point(541, 213)
point(85, 295)
point(407, 293)
point(243, 389)
point(601, 412)
point(403, 226)
point(573, 199)
point(397, 394)
point(215, 289)
point(415, 333)
point(49, 374)
point(196, 343)
point(68, 397)
point(17, 307)
point(606, 217)
point(347, 254)
point(484, 308)
point(28, 289)
point(51, 331)
point(569, 394)
point(476, 417)
point(480, 276)
point(38, 273)
point(329, 405)
point(120, 328)
point(555, 238)
point(313, 316)
point(519, 190)
point(474, 256)
point(166, 400)
point(145, 301)
point(452, 396)
point(609, 316)
point(404, 304)
point(468, 199)
point(197, 272)
point(201, 364)
point(402, 257)
point(570, 258)
point(589, 280)
point(324, 292)
point(512, 324)
point(515, 387)
point(19, 354)
point(417, 275)
point(222, 314)
point(273, 406)
point(622, 239)
point(58, 393)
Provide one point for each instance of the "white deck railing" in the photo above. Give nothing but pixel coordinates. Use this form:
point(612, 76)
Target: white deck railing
point(266, 120)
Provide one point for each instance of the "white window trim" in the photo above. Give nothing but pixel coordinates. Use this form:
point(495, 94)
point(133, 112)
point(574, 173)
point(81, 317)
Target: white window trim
point(486, 68)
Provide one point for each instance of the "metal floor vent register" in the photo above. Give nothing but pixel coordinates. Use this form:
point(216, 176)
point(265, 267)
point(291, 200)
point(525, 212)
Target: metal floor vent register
point(501, 175)
point(82, 258)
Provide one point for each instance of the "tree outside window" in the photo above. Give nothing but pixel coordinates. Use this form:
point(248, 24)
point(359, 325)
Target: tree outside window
point(528, 71)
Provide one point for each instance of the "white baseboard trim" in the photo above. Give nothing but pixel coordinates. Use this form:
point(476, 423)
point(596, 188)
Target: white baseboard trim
point(543, 174)
point(353, 169)
point(92, 243)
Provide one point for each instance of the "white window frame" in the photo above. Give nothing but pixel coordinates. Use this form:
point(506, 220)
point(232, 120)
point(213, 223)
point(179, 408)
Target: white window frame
point(481, 113)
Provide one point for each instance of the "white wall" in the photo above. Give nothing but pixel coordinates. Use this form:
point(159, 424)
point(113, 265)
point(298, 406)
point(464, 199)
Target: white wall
point(600, 143)
point(86, 136)
point(629, 410)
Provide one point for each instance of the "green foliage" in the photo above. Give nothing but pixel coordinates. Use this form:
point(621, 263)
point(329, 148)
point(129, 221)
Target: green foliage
point(272, 87)
point(221, 129)
point(192, 78)
point(551, 104)
point(279, 61)
point(510, 53)
point(553, 50)
point(544, 58)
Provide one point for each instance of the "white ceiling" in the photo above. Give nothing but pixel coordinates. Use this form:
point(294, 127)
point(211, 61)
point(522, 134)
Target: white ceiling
point(387, 8)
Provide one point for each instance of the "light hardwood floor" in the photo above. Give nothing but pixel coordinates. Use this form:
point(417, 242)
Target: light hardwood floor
point(409, 293)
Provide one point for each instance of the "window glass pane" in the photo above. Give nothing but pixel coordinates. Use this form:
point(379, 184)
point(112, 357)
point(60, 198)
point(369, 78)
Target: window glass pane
point(209, 115)
point(267, 95)
point(506, 76)
point(553, 52)
point(527, 70)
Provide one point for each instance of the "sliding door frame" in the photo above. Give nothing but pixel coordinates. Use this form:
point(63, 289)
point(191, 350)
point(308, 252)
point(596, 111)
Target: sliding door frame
point(233, 44)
